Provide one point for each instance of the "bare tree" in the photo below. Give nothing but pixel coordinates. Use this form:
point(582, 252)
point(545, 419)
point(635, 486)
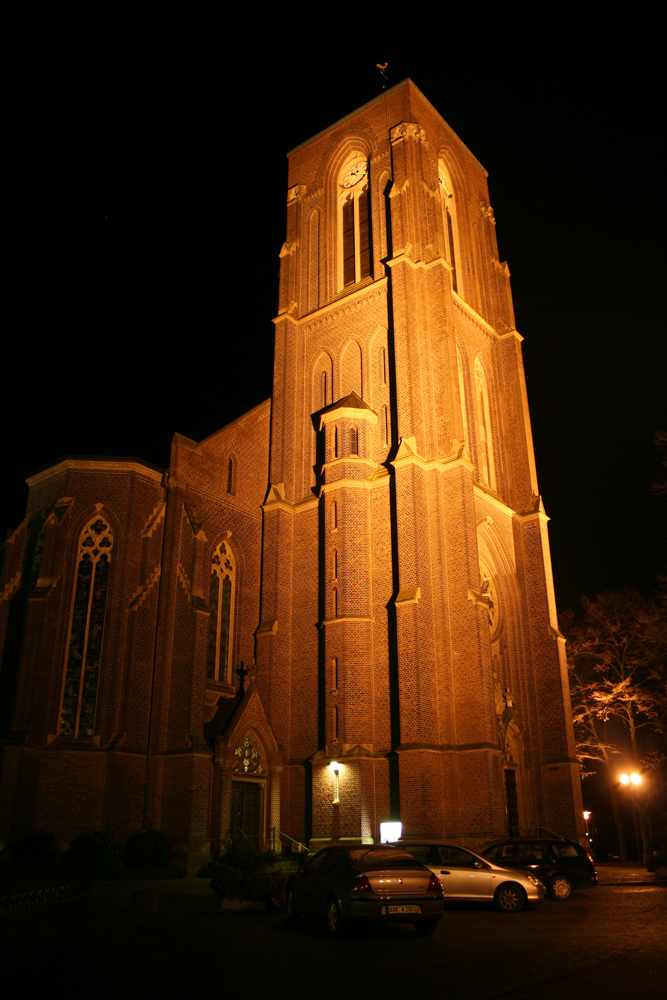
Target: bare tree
point(616, 660)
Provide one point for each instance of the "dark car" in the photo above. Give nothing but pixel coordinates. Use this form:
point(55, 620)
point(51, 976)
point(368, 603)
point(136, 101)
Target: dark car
point(368, 882)
point(562, 865)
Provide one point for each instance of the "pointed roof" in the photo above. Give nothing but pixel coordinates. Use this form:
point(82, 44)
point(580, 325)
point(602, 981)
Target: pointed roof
point(351, 402)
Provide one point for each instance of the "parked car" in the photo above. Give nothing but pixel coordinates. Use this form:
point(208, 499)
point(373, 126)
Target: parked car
point(561, 864)
point(368, 882)
point(467, 876)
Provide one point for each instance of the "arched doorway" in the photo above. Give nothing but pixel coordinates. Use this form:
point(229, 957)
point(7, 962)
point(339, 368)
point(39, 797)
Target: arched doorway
point(248, 793)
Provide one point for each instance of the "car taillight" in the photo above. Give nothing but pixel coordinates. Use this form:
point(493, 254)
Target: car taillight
point(359, 883)
point(590, 858)
point(434, 883)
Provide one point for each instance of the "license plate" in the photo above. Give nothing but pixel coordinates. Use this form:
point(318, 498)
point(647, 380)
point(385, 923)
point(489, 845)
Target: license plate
point(404, 909)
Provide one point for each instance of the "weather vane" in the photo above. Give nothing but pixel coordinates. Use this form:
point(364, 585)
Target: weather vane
point(383, 73)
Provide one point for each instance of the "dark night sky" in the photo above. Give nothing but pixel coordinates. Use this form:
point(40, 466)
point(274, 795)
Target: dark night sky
point(147, 210)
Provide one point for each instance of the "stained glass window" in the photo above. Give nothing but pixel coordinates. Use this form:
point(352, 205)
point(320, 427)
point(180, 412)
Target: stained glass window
point(84, 649)
point(221, 621)
point(248, 757)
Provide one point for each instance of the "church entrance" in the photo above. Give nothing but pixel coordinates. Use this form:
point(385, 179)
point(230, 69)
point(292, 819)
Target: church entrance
point(246, 813)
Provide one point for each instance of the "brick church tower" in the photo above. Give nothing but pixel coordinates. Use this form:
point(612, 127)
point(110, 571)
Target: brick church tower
point(409, 628)
point(371, 542)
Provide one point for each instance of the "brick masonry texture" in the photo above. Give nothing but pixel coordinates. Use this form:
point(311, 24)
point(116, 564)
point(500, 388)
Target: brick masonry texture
point(393, 578)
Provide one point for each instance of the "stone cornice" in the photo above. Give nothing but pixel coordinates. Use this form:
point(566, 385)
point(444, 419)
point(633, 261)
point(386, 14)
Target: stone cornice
point(347, 413)
point(349, 300)
point(379, 477)
point(95, 465)
point(475, 316)
point(447, 747)
point(537, 513)
point(407, 455)
point(276, 500)
point(482, 493)
point(346, 619)
point(404, 257)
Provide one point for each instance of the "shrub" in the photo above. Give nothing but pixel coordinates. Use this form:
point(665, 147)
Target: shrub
point(97, 849)
point(148, 850)
point(244, 873)
point(37, 848)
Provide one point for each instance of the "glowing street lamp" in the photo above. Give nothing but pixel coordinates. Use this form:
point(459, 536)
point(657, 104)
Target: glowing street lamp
point(335, 767)
point(628, 780)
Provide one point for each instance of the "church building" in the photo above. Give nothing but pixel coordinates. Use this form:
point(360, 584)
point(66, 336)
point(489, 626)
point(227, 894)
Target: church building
point(355, 572)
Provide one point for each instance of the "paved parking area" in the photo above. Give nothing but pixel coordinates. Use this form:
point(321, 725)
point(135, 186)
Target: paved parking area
point(606, 942)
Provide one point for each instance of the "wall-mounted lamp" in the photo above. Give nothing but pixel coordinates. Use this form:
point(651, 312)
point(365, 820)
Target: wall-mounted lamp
point(336, 768)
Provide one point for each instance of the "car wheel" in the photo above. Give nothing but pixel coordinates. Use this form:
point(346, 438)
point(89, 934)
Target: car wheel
point(509, 898)
point(292, 911)
point(426, 928)
point(560, 887)
point(334, 922)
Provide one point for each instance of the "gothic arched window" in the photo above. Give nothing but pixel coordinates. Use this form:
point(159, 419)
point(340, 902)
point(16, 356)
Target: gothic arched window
point(462, 394)
point(484, 434)
point(448, 219)
point(221, 621)
point(231, 475)
point(354, 441)
point(86, 631)
point(354, 224)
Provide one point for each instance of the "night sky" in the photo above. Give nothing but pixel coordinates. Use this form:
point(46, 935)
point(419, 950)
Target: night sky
point(147, 210)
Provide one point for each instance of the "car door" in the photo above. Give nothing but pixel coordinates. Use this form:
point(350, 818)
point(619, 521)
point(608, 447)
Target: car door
point(571, 858)
point(461, 874)
point(307, 887)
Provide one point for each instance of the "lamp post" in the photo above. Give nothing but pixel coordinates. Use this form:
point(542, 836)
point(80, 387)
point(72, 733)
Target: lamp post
point(587, 816)
point(631, 781)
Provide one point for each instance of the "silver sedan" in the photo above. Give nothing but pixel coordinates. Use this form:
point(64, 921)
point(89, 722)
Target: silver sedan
point(468, 877)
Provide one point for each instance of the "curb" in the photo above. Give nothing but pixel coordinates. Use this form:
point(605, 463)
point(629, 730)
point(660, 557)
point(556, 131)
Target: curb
point(601, 885)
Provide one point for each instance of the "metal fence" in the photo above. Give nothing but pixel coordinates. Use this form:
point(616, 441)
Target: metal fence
point(37, 927)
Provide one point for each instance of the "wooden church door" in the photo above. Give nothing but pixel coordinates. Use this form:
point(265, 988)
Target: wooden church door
point(246, 813)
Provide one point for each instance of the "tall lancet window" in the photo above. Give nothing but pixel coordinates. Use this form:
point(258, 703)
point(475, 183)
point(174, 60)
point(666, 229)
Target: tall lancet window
point(484, 430)
point(354, 225)
point(86, 631)
point(462, 394)
point(448, 219)
point(221, 621)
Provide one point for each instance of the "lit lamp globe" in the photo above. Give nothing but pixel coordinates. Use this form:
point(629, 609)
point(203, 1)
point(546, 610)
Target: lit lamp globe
point(624, 779)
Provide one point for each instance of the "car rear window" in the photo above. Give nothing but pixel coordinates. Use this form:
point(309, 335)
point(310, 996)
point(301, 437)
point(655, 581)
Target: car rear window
point(533, 852)
point(566, 850)
point(366, 861)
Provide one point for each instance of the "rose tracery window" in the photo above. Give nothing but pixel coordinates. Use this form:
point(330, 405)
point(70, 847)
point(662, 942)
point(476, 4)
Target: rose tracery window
point(84, 648)
point(248, 757)
point(221, 622)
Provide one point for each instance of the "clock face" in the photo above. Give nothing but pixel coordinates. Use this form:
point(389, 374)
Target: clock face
point(354, 173)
